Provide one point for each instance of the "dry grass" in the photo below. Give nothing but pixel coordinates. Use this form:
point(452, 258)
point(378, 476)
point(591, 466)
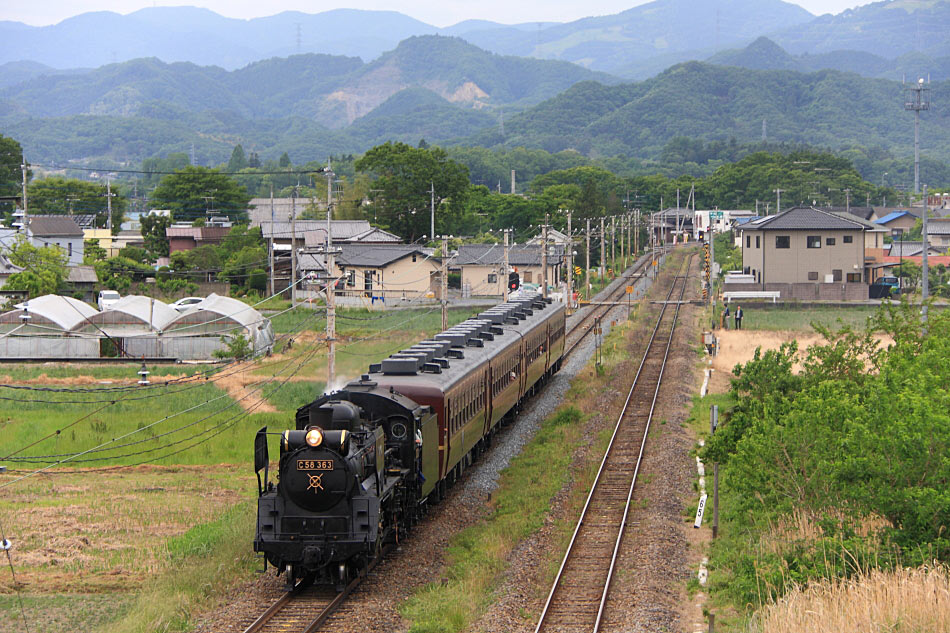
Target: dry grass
point(108, 531)
point(802, 526)
point(906, 600)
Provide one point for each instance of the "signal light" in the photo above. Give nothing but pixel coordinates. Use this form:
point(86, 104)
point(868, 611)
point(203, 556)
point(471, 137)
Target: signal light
point(514, 281)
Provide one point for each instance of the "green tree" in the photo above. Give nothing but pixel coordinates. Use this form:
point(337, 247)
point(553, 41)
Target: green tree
point(153, 232)
point(238, 159)
point(404, 174)
point(92, 252)
point(44, 268)
point(118, 273)
point(284, 160)
point(60, 196)
point(192, 191)
point(11, 175)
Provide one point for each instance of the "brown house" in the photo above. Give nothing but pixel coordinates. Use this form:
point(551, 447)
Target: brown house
point(186, 238)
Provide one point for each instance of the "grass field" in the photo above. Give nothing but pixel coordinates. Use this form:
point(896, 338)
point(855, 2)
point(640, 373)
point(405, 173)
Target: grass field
point(792, 318)
point(143, 548)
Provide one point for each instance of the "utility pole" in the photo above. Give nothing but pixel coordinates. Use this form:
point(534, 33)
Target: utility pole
point(916, 101)
point(847, 200)
point(26, 212)
point(506, 272)
point(445, 282)
point(432, 213)
point(293, 250)
point(544, 257)
point(636, 232)
point(331, 284)
point(570, 265)
point(778, 200)
point(925, 276)
point(270, 254)
point(623, 234)
point(603, 250)
point(587, 269)
point(613, 240)
point(109, 195)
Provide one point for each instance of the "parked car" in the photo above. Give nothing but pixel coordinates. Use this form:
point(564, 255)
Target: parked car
point(108, 298)
point(186, 302)
point(884, 287)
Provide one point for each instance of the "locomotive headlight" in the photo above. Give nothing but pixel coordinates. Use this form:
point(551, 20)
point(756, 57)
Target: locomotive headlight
point(314, 437)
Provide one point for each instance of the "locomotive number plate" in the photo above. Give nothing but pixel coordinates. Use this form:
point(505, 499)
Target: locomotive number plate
point(314, 464)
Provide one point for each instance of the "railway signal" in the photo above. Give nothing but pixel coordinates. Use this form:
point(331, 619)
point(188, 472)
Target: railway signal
point(514, 281)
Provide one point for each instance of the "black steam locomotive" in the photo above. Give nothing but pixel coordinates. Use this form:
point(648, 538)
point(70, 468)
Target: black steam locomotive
point(364, 463)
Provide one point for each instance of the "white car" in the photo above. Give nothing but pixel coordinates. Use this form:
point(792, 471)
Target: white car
point(107, 298)
point(185, 302)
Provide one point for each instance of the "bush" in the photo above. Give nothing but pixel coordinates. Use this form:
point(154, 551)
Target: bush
point(238, 348)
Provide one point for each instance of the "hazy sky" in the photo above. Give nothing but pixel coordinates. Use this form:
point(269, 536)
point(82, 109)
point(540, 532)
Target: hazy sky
point(437, 12)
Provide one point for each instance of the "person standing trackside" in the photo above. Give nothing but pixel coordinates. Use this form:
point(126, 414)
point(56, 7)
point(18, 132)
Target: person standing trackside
point(725, 318)
point(738, 317)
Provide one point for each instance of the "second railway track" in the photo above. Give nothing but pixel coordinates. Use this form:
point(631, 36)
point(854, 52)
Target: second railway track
point(579, 593)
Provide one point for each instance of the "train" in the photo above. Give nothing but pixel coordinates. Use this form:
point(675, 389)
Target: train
point(363, 464)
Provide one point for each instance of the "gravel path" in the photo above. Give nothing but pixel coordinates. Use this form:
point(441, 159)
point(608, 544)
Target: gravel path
point(420, 559)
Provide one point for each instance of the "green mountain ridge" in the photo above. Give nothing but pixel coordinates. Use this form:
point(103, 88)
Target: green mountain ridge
point(826, 109)
point(764, 54)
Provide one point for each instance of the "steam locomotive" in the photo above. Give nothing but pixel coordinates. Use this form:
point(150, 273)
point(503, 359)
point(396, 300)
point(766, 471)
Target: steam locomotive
point(364, 463)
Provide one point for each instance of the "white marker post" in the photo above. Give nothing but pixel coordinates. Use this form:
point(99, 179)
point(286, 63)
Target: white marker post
point(699, 511)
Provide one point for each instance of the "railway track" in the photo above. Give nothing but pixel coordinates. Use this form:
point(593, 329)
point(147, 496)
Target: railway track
point(585, 325)
point(305, 609)
point(579, 593)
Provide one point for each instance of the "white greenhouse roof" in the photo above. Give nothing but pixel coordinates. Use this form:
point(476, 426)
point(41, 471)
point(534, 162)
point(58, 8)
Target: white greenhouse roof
point(65, 312)
point(146, 309)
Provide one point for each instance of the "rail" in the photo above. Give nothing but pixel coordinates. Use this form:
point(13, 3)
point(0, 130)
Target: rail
point(587, 551)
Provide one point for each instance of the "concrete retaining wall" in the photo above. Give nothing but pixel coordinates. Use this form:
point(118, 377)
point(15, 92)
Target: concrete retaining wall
point(808, 291)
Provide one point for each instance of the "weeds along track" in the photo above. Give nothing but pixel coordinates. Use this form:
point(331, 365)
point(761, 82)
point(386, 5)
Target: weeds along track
point(579, 592)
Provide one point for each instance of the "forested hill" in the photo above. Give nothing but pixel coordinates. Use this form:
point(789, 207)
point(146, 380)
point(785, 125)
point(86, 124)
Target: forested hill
point(764, 54)
point(332, 90)
point(826, 108)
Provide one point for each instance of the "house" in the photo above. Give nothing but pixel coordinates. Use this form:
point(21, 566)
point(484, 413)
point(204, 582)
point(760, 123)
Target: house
point(374, 272)
point(938, 233)
point(7, 268)
point(717, 220)
point(482, 266)
point(105, 237)
point(897, 222)
point(57, 230)
point(186, 238)
point(806, 253)
point(281, 232)
point(83, 279)
point(261, 210)
point(559, 239)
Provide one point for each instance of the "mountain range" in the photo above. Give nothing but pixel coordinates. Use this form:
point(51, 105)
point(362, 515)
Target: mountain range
point(447, 90)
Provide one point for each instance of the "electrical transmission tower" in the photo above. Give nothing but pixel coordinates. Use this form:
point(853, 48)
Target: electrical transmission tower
point(917, 99)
